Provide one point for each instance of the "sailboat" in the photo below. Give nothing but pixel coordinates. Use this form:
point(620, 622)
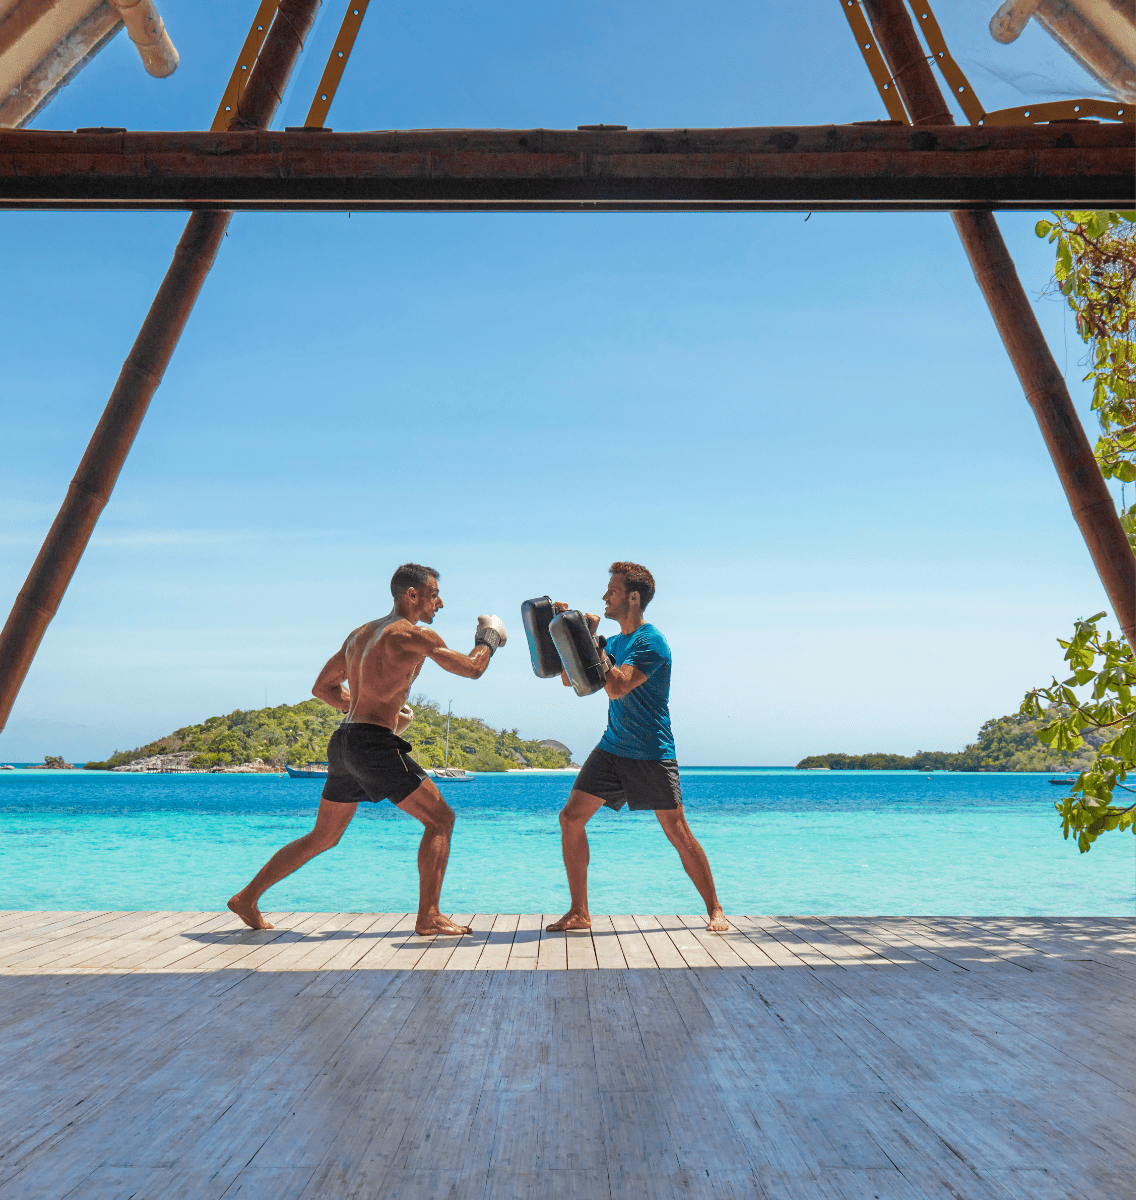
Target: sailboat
point(450, 774)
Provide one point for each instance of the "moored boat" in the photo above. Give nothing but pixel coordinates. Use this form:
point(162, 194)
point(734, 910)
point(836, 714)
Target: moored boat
point(307, 771)
point(450, 774)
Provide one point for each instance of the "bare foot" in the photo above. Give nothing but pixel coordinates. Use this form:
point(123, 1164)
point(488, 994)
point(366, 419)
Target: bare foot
point(570, 920)
point(718, 922)
point(248, 912)
point(436, 923)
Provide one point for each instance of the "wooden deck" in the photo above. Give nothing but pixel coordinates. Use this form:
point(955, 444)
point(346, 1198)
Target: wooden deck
point(161, 1054)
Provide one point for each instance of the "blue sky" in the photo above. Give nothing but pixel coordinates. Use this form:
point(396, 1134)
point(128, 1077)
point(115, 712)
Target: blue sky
point(808, 430)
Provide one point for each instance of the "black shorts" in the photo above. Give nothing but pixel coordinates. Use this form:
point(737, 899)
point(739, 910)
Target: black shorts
point(369, 762)
point(640, 783)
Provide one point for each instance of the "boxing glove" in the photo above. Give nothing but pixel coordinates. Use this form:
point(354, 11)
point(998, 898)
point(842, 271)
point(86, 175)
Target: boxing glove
point(490, 632)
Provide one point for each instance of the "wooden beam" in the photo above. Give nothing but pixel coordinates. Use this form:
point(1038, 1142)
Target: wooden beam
point(1042, 381)
point(874, 166)
point(90, 489)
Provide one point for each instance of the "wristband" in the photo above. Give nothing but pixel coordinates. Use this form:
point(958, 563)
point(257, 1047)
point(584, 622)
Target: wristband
point(487, 636)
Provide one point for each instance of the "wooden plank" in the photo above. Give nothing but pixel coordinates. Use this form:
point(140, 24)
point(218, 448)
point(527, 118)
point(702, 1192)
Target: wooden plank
point(961, 932)
point(26, 951)
point(77, 944)
point(552, 954)
point(806, 953)
point(605, 942)
point(367, 928)
point(716, 945)
point(468, 950)
point(177, 943)
point(495, 953)
point(837, 948)
point(694, 954)
point(746, 948)
point(525, 950)
point(252, 949)
point(18, 923)
point(665, 953)
point(70, 945)
point(384, 947)
point(406, 946)
point(143, 935)
point(441, 949)
point(776, 950)
point(322, 940)
point(581, 952)
point(636, 952)
point(883, 941)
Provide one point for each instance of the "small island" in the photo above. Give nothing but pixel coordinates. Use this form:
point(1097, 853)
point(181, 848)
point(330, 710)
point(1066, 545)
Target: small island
point(1004, 744)
point(265, 739)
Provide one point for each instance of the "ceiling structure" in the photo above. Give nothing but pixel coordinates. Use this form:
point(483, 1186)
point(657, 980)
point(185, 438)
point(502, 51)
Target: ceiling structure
point(879, 166)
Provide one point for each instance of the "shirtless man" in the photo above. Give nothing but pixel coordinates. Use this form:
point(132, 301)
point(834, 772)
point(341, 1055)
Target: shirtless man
point(366, 759)
point(635, 760)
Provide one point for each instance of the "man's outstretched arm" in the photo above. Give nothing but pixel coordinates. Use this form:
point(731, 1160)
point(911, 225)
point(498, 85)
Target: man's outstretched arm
point(490, 635)
point(328, 686)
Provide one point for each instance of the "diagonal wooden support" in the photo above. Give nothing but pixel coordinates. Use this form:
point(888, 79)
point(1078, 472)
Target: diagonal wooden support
point(145, 365)
point(1088, 495)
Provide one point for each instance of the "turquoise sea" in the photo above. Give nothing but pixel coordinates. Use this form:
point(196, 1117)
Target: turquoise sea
point(779, 841)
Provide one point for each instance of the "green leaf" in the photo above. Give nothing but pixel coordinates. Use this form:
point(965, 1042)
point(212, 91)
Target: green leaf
point(1042, 228)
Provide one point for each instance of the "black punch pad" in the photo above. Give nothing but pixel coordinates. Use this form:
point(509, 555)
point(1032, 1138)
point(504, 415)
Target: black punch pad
point(579, 652)
point(536, 614)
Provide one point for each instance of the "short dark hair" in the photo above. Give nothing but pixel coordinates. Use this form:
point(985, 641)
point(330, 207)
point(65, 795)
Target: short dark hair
point(411, 575)
point(637, 579)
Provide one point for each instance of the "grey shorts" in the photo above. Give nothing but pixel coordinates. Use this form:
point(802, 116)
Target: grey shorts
point(642, 784)
point(369, 762)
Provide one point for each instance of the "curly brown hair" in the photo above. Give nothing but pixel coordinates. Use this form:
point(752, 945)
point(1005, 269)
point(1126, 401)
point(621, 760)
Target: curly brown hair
point(636, 579)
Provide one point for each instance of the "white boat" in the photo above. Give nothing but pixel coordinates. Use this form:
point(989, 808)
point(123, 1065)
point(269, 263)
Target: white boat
point(450, 774)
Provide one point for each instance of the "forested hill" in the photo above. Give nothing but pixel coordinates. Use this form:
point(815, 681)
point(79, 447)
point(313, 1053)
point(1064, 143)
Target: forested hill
point(1004, 744)
point(298, 733)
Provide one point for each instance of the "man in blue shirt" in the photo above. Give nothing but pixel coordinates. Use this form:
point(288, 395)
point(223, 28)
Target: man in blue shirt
point(634, 764)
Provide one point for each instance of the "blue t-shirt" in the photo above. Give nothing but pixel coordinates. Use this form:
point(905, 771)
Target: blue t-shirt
point(639, 725)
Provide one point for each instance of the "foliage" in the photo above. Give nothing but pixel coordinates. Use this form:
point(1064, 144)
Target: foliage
point(1108, 715)
point(473, 744)
point(1096, 273)
point(1004, 744)
point(299, 733)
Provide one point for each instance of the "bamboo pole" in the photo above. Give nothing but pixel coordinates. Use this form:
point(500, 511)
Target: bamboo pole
point(1044, 386)
point(90, 489)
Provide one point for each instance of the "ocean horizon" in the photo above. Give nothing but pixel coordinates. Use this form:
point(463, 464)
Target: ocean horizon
point(779, 841)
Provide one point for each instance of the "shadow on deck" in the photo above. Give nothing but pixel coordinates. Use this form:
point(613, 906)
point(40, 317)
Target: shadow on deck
point(946, 1057)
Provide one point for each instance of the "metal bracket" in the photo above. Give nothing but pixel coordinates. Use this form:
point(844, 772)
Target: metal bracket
point(941, 56)
point(1063, 110)
point(336, 63)
point(877, 68)
point(246, 60)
